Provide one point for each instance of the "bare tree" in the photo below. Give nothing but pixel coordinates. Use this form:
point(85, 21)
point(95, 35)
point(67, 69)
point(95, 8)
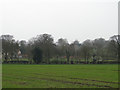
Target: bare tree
point(116, 43)
point(86, 49)
point(9, 46)
point(45, 43)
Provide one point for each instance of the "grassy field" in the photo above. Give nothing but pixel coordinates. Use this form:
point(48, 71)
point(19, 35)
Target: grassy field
point(60, 76)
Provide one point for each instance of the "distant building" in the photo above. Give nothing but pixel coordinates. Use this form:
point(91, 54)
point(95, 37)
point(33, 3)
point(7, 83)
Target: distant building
point(19, 52)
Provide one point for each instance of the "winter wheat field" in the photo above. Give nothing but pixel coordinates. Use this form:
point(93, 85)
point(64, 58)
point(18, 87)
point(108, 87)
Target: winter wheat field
point(60, 76)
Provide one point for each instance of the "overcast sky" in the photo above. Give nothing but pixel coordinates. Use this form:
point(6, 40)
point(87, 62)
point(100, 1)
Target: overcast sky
point(70, 19)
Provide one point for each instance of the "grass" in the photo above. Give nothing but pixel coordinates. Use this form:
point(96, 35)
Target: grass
point(60, 76)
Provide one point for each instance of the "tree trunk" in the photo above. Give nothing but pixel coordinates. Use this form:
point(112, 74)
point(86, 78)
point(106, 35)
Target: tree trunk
point(6, 56)
point(68, 56)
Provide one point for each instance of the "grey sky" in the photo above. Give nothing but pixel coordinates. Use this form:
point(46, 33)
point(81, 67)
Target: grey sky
point(70, 19)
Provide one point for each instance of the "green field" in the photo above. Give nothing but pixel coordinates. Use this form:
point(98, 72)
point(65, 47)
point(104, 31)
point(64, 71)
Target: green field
point(60, 76)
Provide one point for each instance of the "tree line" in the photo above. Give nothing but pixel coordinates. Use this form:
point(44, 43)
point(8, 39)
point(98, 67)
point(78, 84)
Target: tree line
point(43, 49)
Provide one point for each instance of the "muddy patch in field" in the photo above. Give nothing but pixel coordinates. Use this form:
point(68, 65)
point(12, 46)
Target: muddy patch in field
point(117, 70)
point(71, 82)
point(62, 81)
point(17, 82)
point(96, 80)
point(79, 79)
point(23, 83)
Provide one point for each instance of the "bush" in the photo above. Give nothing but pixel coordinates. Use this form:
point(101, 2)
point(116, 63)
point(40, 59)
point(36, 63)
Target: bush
point(37, 55)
